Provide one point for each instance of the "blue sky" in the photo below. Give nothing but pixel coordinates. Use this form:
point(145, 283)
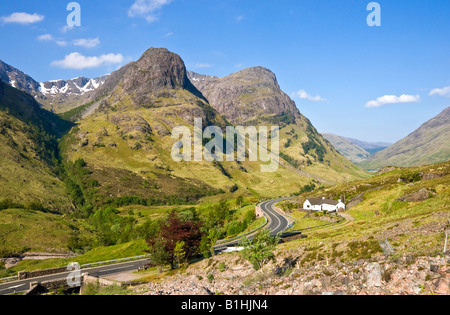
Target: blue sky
point(369, 83)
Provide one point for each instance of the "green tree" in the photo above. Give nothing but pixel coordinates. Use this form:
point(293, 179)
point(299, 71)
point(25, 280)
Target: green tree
point(259, 252)
point(159, 254)
point(240, 201)
point(180, 253)
point(174, 231)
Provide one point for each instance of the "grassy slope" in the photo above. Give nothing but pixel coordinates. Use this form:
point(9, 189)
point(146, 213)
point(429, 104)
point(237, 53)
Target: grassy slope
point(334, 168)
point(24, 175)
point(28, 141)
point(416, 228)
point(427, 145)
point(351, 151)
point(114, 147)
point(26, 230)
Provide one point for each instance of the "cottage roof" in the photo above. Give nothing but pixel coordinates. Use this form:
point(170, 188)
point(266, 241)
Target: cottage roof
point(320, 201)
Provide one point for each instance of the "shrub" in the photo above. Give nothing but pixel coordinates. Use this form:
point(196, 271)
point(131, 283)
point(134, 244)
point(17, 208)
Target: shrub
point(259, 251)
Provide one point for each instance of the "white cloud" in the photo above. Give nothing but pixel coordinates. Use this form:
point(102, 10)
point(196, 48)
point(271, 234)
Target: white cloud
point(22, 18)
point(302, 94)
point(240, 18)
point(77, 61)
point(66, 28)
point(393, 99)
point(200, 65)
point(87, 42)
point(61, 43)
point(441, 92)
point(50, 38)
point(45, 37)
point(147, 9)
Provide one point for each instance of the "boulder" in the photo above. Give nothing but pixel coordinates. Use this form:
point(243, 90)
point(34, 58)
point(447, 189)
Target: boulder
point(374, 275)
point(421, 195)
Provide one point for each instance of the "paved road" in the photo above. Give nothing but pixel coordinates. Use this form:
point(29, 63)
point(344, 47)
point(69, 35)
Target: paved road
point(277, 222)
point(24, 285)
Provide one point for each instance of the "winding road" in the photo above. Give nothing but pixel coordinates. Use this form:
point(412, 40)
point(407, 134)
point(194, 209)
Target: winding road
point(277, 223)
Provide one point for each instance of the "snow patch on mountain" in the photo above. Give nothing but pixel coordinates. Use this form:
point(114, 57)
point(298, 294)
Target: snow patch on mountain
point(76, 86)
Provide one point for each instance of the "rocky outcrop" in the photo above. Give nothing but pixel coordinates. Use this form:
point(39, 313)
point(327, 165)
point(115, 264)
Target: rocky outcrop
point(246, 95)
point(421, 195)
point(404, 276)
point(157, 72)
point(18, 79)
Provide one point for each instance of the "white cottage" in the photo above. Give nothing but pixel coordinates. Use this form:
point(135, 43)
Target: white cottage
point(317, 204)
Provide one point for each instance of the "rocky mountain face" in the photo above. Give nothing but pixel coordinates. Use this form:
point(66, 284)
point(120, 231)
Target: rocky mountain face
point(18, 79)
point(254, 97)
point(158, 71)
point(57, 95)
point(247, 95)
point(427, 145)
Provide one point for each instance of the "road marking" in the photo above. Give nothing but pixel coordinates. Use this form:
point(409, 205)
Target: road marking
point(14, 287)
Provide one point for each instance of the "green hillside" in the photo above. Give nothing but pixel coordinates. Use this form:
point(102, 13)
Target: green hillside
point(409, 207)
point(28, 137)
point(429, 144)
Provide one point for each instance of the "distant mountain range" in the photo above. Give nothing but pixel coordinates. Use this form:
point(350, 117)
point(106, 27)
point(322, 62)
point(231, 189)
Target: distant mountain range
point(429, 144)
point(56, 95)
point(353, 149)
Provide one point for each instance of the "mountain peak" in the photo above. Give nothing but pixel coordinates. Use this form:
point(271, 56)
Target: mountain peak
point(157, 68)
point(257, 76)
point(247, 95)
point(18, 79)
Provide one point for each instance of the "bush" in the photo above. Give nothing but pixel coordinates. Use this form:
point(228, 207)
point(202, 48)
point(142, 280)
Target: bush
point(259, 251)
